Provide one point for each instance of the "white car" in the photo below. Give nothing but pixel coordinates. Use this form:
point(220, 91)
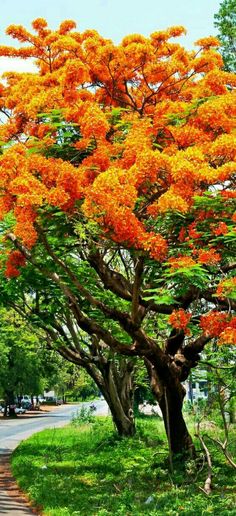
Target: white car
point(20, 410)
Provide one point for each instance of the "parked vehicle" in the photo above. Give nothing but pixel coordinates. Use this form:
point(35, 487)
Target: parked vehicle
point(26, 404)
point(20, 410)
point(54, 400)
point(25, 398)
point(41, 399)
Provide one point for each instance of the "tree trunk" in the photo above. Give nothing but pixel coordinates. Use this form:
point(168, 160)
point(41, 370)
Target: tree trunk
point(119, 395)
point(171, 404)
point(113, 376)
point(10, 402)
point(5, 409)
point(170, 393)
point(116, 385)
point(12, 411)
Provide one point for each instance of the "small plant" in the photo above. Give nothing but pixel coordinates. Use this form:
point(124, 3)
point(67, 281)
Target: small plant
point(82, 416)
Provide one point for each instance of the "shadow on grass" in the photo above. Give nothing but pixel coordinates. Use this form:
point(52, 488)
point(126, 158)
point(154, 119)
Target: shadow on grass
point(89, 471)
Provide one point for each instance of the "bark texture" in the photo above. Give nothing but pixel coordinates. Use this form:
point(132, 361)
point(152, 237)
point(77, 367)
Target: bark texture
point(170, 393)
point(10, 404)
point(119, 394)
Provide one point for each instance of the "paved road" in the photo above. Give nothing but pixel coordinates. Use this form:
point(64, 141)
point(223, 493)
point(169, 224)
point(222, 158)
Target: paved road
point(13, 431)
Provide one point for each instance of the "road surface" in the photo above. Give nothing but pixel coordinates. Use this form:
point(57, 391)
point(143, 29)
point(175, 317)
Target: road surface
point(13, 431)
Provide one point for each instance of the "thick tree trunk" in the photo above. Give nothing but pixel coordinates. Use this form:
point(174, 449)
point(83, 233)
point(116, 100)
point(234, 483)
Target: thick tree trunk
point(12, 411)
point(171, 404)
point(170, 393)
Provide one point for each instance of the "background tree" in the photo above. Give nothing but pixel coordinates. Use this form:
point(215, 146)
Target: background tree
point(43, 306)
point(225, 21)
point(23, 365)
point(219, 405)
point(79, 386)
point(221, 382)
point(145, 204)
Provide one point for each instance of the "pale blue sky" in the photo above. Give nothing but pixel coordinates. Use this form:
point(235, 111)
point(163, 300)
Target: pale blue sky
point(114, 18)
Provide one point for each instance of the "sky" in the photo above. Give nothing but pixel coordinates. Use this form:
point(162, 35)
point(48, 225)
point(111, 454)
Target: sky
point(111, 18)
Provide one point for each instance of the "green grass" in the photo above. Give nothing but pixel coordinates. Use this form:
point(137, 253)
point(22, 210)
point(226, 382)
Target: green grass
point(88, 471)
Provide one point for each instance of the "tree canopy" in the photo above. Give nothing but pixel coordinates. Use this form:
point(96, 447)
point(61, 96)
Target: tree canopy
point(118, 186)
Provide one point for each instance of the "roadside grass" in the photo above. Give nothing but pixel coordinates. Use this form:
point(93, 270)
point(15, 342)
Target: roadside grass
point(88, 470)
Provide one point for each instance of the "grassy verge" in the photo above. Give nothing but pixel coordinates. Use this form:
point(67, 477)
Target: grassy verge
point(88, 471)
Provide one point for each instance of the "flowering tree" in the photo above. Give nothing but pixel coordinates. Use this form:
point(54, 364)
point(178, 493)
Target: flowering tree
point(121, 160)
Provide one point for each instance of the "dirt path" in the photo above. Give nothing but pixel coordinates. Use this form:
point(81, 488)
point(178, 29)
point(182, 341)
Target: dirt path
point(12, 501)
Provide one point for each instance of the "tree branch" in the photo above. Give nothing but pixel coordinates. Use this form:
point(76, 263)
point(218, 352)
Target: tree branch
point(208, 481)
point(136, 289)
point(116, 315)
point(87, 324)
point(192, 350)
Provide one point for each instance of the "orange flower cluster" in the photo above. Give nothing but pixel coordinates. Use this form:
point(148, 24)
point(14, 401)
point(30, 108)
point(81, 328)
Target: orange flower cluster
point(170, 201)
point(229, 194)
point(228, 336)
point(179, 319)
point(209, 257)
point(220, 229)
point(155, 244)
point(24, 227)
point(214, 323)
point(14, 261)
point(193, 232)
point(110, 201)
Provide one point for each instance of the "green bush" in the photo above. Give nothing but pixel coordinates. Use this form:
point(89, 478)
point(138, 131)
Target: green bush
point(82, 416)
